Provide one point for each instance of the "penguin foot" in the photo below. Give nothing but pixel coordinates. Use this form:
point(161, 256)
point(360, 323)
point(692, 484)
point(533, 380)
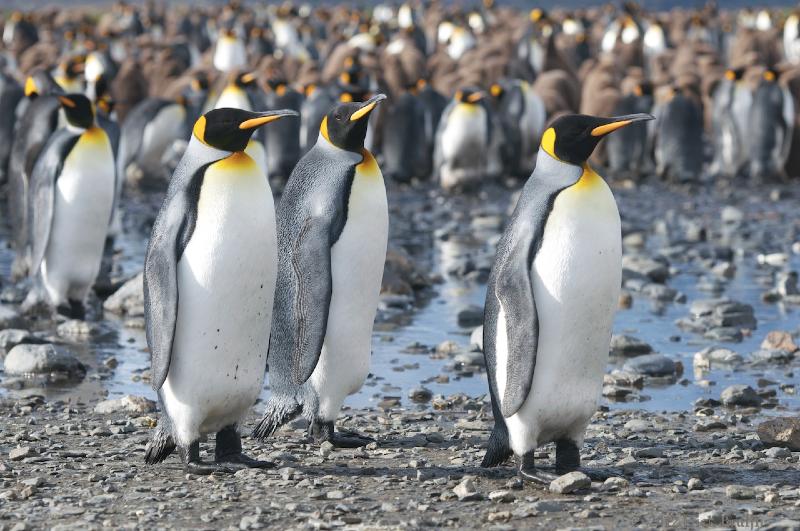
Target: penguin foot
point(568, 456)
point(201, 468)
point(528, 472)
point(240, 461)
point(601, 474)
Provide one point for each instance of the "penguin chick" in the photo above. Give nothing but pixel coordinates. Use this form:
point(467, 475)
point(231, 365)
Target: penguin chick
point(209, 282)
point(333, 228)
point(550, 300)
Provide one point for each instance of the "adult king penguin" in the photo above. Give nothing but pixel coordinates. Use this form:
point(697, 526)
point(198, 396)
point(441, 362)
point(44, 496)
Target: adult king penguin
point(550, 300)
point(209, 283)
point(71, 196)
point(333, 229)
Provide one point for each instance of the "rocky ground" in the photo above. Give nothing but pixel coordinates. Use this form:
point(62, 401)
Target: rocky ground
point(707, 330)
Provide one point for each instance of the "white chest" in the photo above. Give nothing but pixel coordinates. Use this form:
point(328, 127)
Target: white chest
point(466, 130)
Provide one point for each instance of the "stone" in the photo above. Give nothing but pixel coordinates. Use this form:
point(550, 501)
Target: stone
point(400, 273)
point(711, 517)
point(76, 328)
point(471, 358)
point(502, 496)
point(622, 345)
point(740, 395)
point(779, 340)
point(651, 365)
point(21, 452)
point(782, 525)
point(783, 431)
point(11, 337)
point(26, 360)
point(420, 395)
point(739, 492)
point(694, 484)
point(645, 267)
point(466, 491)
point(615, 483)
point(709, 356)
point(134, 405)
point(570, 482)
point(128, 300)
point(724, 334)
point(777, 452)
point(637, 425)
point(470, 317)
point(769, 356)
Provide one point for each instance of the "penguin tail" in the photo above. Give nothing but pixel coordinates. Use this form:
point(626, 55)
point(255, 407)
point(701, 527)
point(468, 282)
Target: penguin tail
point(160, 445)
point(277, 413)
point(499, 449)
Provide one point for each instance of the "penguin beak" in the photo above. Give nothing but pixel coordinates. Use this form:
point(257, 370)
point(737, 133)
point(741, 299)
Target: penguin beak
point(66, 102)
point(367, 107)
point(248, 77)
point(261, 118)
point(475, 97)
point(619, 122)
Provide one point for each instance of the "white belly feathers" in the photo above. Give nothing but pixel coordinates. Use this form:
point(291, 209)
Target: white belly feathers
point(576, 279)
point(357, 260)
point(226, 283)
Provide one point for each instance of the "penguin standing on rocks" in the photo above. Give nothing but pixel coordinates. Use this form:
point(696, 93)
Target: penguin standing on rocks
point(332, 234)
point(71, 196)
point(548, 316)
point(462, 141)
point(209, 283)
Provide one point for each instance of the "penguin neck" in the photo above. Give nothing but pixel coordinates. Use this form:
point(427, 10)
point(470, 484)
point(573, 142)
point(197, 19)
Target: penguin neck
point(355, 158)
point(78, 130)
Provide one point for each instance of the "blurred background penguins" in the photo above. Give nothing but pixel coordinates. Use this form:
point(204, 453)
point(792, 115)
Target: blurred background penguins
point(548, 318)
point(333, 224)
point(282, 142)
point(71, 197)
point(209, 284)
point(462, 141)
point(771, 125)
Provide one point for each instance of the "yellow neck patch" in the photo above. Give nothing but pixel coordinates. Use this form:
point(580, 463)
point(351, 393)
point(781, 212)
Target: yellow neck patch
point(549, 142)
point(589, 179)
point(237, 161)
point(199, 129)
point(323, 128)
point(368, 167)
point(30, 87)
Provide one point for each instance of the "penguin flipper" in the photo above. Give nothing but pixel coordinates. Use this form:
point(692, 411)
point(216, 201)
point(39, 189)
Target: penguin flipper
point(311, 264)
point(172, 231)
point(510, 289)
point(278, 412)
point(161, 444)
point(42, 192)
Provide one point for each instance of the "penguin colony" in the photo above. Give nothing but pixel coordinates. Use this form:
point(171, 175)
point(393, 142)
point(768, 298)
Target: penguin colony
point(219, 109)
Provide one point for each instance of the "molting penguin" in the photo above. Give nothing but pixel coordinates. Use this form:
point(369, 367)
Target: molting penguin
point(209, 283)
point(548, 311)
point(332, 233)
point(462, 141)
point(71, 196)
point(148, 131)
point(38, 118)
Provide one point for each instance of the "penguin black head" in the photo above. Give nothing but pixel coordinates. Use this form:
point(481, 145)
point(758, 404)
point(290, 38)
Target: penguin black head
point(345, 126)
point(468, 95)
point(78, 110)
point(230, 129)
point(734, 74)
point(244, 80)
point(572, 138)
point(40, 82)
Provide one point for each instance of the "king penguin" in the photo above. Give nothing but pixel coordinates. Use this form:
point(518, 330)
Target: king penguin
point(550, 300)
point(71, 196)
point(333, 224)
point(209, 283)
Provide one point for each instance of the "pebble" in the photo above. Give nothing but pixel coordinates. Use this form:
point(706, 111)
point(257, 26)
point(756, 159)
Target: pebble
point(651, 365)
point(134, 405)
point(466, 491)
point(739, 492)
point(779, 340)
point(740, 395)
point(21, 452)
point(470, 317)
point(24, 360)
point(128, 300)
point(12, 337)
point(715, 355)
point(694, 484)
point(781, 432)
point(420, 395)
point(570, 482)
point(622, 345)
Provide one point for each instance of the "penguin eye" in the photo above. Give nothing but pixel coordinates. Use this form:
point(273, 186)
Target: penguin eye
point(338, 117)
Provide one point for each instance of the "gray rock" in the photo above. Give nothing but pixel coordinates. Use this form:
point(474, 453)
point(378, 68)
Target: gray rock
point(739, 492)
point(470, 317)
point(10, 318)
point(715, 355)
point(420, 395)
point(646, 267)
point(786, 284)
point(502, 496)
point(694, 484)
point(651, 365)
point(134, 405)
point(614, 484)
point(782, 525)
point(781, 432)
point(711, 517)
point(466, 491)
point(11, 337)
point(740, 395)
point(128, 300)
point(622, 345)
point(21, 452)
point(471, 358)
point(75, 328)
point(724, 334)
point(570, 482)
point(771, 356)
point(547, 506)
point(778, 452)
point(25, 360)
point(637, 425)
point(779, 340)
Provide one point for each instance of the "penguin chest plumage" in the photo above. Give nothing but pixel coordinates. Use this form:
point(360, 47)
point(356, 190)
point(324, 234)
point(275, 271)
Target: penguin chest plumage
point(230, 53)
point(166, 126)
point(464, 139)
point(576, 277)
point(84, 195)
point(357, 260)
point(226, 285)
